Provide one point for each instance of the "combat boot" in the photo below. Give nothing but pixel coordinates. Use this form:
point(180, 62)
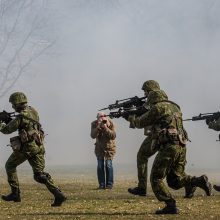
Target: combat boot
point(13, 196)
point(170, 208)
point(217, 188)
point(137, 191)
point(203, 183)
point(59, 198)
point(189, 191)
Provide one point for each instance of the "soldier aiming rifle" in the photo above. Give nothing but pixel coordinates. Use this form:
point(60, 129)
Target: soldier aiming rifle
point(212, 120)
point(126, 103)
point(126, 107)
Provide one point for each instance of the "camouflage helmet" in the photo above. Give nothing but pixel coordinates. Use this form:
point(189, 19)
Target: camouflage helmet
point(150, 85)
point(17, 98)
point(156, 96)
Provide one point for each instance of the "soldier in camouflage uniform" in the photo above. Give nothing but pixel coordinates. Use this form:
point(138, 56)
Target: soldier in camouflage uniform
point(166, 119)
point(103, 130)
point(149, 146)
point(28, 145)
point(215, 125)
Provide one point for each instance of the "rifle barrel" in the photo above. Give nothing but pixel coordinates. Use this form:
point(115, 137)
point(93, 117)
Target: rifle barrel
point(103, 109)
point(121, 104)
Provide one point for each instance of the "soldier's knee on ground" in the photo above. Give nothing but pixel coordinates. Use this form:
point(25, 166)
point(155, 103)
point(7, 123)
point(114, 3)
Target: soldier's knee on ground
point(42, 177)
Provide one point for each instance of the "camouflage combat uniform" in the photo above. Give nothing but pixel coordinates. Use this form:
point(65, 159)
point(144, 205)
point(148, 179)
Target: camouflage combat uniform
point(148, 147)
point(166, 119)
point(28, 145)
point(215, 125)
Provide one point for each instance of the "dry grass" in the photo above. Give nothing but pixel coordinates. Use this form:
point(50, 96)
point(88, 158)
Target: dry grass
point(86, 202)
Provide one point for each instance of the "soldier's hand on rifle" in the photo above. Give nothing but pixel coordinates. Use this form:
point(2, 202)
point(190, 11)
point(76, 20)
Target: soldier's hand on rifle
point(209, 120)
point(131, 119)
point(125, 115)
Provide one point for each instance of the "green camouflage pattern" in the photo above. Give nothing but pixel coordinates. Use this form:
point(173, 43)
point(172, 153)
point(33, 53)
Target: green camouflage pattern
point(37, 163)
point(171, 158)
point(161, 95)
point(17, 98)
point(105, 146)
point(156, 96)
point(145, 120)
point(148, 148)
point(163, 114)
point(150, 85)
point(30, 151)
point(170, 164)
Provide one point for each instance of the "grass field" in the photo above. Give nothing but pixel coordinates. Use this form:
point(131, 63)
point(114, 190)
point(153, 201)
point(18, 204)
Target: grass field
point(86, 202)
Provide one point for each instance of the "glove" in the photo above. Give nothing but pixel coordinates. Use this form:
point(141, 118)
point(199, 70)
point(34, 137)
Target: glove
point(131, 119)
point(209, 120)
point(211, 125)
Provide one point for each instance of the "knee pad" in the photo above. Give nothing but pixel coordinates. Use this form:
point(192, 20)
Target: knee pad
point(41, 177)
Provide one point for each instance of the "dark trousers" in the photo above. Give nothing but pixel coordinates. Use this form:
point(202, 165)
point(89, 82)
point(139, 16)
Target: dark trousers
point(105, 172)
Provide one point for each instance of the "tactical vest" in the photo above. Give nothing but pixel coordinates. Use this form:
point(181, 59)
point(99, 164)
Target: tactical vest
point(30, 129)
point(171, 125)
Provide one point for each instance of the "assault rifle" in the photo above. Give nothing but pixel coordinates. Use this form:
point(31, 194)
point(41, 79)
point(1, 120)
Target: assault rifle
point(118, 114)
point(6, 117)
point(125, 113)
point(205, 116)
point(125, 104)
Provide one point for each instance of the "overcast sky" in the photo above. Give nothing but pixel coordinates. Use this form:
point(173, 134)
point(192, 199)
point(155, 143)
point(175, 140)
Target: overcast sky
point(104, 51)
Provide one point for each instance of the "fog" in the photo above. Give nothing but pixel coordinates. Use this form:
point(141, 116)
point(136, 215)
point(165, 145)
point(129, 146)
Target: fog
point(103, 51)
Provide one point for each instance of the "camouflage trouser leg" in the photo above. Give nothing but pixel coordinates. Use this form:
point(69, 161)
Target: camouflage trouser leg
point(148, 148)
point(169, 162)
point(13, 161)
point(37, 163)
point(177, 178)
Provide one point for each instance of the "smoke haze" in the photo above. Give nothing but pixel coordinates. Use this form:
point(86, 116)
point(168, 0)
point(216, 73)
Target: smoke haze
point(104, 51)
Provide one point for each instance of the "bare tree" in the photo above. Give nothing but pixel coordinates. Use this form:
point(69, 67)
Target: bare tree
point(22, 38)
